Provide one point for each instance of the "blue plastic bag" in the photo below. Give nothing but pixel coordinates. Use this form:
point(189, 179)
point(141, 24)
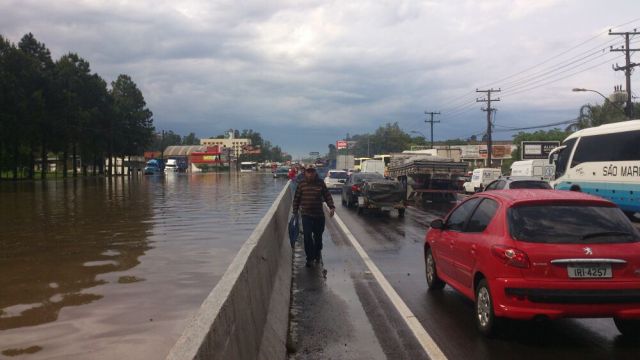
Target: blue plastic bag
point(294, 229)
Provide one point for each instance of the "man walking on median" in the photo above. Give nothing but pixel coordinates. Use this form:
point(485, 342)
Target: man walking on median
point(310, 194)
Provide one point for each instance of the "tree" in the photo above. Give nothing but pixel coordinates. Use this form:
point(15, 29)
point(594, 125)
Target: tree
point(134, 121)
point(37, 90)
point(190, 139)
point(62, 107)
point(333, 152)
point(596, 115)
point(388, 138)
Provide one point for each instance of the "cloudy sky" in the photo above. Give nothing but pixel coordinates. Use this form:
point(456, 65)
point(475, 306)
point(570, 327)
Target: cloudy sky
point(305, 73)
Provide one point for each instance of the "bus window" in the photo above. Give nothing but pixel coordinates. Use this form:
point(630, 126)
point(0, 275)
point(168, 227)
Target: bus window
point(563, 157)
point(622, 146)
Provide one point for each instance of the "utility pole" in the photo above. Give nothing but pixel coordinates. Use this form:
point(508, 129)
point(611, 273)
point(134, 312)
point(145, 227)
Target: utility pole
point(431, 121)
point(628, 68)
point(488, 109)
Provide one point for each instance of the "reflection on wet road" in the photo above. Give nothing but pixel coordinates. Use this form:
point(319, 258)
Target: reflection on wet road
point(396, 246)
point(114, 269)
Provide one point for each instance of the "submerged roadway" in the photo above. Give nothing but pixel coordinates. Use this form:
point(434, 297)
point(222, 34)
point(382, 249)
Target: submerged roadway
point(365, 322)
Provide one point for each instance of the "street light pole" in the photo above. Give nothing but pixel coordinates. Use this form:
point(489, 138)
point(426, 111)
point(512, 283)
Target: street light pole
point(606, 99)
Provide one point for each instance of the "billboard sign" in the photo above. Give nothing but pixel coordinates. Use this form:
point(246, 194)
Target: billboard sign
point(537, 149)
point(341, 144)
point(314, 153)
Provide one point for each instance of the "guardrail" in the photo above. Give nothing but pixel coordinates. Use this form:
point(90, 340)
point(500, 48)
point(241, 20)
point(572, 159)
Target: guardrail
point(246, 315)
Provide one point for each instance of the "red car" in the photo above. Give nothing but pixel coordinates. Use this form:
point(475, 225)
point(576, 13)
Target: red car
point(526, 254)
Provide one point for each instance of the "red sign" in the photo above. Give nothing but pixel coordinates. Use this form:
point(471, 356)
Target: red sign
point(341, 144)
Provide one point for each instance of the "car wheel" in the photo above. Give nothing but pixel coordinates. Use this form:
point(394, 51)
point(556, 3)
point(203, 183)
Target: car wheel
point(485, 318)
point(433, 281)
point(628, 327)
point(401, 212)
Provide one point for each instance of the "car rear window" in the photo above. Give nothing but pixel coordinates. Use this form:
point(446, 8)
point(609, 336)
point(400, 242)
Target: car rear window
point(338, 175)
point(369, 176)
point(529, 184)
point(571, 224)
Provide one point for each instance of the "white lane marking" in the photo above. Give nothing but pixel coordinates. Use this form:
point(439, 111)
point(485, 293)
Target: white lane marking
point(425, 340)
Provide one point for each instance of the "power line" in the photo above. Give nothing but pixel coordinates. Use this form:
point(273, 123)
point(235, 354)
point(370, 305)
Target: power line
point(464, 103)
point(556, 80)
point(510, 129)
point(559, 54)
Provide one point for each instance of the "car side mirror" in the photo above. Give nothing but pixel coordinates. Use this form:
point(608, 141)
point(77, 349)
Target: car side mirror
point(437, 224)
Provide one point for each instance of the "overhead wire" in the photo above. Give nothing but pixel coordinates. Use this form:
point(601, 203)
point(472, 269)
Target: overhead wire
point(547, 75)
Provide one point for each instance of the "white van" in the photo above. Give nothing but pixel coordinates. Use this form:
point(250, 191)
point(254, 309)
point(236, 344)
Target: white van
point(480, 178)
point(538, 168)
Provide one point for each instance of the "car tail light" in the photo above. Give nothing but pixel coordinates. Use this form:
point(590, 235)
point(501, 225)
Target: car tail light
point(355, 188)
point(511, 256)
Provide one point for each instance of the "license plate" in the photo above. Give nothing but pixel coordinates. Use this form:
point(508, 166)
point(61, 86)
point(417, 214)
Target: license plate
point(360, 201)
point(386, 208)
point(589, 271)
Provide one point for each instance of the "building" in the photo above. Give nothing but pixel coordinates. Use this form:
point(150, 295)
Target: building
point(476, 155)
point(237, 145)
point(197, 157)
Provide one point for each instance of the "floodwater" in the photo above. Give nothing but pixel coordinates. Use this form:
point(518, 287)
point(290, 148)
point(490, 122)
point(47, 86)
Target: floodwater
point(114, 269)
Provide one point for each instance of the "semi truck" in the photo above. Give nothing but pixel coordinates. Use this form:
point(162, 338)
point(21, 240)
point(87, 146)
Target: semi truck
point(427, 178)
point(345, 162)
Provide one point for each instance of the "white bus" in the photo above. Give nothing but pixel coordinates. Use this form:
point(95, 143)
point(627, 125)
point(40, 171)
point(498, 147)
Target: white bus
point(602, 161)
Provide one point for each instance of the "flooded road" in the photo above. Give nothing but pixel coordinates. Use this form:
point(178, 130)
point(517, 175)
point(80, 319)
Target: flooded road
point(102, 269)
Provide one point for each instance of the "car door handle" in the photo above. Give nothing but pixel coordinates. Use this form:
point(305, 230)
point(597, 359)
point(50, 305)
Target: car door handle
point(473, 249)
point(452, 243)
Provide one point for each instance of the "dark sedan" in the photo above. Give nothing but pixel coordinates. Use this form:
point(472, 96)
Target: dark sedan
point(351, 188)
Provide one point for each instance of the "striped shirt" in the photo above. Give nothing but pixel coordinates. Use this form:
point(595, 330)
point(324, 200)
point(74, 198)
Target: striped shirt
point(309, 197)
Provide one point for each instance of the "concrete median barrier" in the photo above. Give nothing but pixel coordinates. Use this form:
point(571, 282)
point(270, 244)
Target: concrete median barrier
point(246, 314)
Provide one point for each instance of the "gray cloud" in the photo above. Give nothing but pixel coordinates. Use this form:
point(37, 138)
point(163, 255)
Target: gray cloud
point(304, 73)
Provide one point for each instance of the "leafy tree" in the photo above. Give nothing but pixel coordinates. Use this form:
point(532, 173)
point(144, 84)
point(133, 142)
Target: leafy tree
point(388, 138)
point(333, 152)
point(190, 139)
point(37, 86)
point(61, 107)
point(134, 121)
point(596, 115)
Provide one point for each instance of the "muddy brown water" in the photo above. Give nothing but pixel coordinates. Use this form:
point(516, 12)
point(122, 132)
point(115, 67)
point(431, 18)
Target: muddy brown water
point(100, 269)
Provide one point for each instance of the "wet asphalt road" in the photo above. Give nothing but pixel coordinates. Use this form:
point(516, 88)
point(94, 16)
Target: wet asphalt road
point(396, 246)
point(344, 315)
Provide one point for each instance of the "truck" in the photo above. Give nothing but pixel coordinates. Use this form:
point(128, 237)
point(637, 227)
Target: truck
point(372, 165)
point(538, 168)
point(480, 178)
point(426, 178)
point(344, 162)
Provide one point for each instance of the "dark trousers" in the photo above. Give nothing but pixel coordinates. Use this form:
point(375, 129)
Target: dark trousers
point(313, 227)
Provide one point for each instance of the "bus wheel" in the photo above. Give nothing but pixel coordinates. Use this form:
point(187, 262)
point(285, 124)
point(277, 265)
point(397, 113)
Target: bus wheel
point(575, 188)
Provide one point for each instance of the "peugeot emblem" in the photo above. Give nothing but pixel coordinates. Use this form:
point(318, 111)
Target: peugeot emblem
point(588, 251)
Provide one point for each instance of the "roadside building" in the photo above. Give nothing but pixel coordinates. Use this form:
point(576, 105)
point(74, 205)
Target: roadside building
point(196, 157)
point(238, 146)
point(476, 155)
